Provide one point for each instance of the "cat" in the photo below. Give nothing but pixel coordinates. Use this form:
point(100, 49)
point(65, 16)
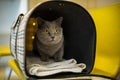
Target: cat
point(49, 39)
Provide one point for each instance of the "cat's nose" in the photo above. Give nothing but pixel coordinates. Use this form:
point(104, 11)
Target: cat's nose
point(52, 37)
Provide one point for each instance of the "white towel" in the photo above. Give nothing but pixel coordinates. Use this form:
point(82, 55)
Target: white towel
point(56, 67)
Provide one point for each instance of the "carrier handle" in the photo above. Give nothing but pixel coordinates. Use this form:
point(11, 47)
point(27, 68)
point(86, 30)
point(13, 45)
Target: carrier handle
point(20, 17)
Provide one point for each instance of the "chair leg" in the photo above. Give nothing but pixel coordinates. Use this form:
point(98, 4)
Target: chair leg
point(14, 66)
point(10, 74)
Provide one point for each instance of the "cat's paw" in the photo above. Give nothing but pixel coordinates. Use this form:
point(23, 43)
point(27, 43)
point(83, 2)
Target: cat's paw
point(57, 59)
point(44, 59)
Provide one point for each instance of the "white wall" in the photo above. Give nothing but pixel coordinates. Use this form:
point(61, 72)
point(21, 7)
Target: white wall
point(9, 10)
point(101, 3)
point(23, 6)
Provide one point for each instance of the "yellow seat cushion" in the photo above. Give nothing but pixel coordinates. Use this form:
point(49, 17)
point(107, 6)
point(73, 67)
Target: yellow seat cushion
point(5, 51)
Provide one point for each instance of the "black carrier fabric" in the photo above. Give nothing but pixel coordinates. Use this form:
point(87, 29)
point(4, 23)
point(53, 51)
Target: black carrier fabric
point(78, 29)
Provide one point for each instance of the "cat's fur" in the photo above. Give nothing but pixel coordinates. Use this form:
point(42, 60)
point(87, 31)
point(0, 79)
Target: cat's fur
point(49, 39)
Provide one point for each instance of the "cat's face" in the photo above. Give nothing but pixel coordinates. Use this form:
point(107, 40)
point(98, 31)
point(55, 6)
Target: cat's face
point(49, 32)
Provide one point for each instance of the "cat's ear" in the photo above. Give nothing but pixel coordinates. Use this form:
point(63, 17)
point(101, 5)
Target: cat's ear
point(40, 20)
point(59, 20)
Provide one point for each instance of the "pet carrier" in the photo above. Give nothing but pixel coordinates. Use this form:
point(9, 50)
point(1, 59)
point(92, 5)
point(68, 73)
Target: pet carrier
point(78, 29)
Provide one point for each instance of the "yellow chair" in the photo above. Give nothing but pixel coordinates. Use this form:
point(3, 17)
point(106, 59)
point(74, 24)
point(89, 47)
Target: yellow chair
point(5, 51)
point(107, 21)
point(107, 62)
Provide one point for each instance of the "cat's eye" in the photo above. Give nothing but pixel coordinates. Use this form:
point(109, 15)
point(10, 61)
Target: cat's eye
point(46, 31)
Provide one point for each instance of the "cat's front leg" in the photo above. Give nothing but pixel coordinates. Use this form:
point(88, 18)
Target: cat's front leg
point(59, 54)
point(44, 57)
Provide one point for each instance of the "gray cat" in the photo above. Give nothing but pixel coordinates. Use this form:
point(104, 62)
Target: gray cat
point(50, 39)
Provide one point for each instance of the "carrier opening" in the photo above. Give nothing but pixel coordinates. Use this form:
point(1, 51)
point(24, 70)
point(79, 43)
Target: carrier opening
point(78, 30)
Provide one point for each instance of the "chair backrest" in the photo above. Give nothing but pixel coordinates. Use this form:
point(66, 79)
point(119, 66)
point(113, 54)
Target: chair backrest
point(107, 21)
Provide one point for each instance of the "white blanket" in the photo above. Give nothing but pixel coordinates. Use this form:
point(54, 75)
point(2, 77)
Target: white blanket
point(56, 67)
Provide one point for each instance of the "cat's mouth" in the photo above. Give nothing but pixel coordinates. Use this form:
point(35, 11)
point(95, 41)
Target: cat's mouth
point(52, 40)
